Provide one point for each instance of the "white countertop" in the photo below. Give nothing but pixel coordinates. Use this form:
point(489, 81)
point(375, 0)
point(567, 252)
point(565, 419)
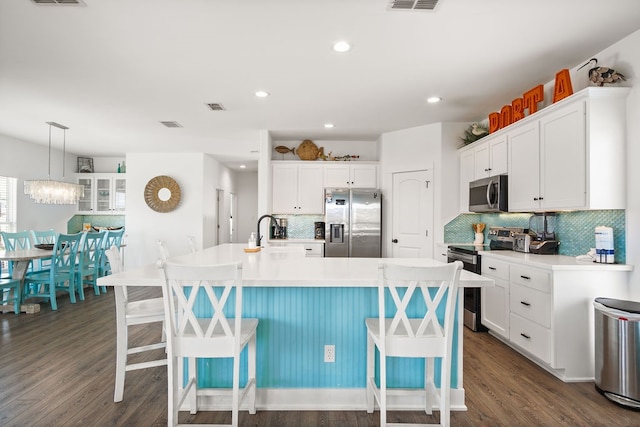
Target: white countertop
point(553, 262)
point(280, 269)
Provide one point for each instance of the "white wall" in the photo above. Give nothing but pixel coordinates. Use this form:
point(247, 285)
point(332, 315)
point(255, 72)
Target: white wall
point(27, 161)
point(430, 147)
point(624, 56)
point(199, 176)
point(366, 150)
point(247, 198)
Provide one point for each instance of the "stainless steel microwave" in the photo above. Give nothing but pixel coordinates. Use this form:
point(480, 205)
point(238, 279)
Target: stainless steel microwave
point(488, 194)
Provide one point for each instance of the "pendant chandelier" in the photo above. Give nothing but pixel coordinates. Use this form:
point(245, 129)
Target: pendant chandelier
point(52, 192)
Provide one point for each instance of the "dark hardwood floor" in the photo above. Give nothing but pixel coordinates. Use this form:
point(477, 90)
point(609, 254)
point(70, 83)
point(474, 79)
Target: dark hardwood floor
point(56, 369)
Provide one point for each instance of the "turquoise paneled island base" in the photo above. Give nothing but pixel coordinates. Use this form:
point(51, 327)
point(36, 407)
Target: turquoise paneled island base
point(304, 304)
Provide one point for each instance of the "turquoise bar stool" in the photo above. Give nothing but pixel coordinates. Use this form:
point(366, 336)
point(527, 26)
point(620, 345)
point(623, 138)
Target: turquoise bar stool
point(62, 274)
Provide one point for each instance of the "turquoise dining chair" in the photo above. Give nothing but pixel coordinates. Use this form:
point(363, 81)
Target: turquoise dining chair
point(7, 286)
point(42, 238)
point(20, 240)
point(89, 261)
point(62, 274)
point(113, 238)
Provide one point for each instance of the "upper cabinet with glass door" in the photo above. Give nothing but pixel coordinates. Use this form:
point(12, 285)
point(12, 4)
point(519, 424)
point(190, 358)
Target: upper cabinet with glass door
point(103, 193)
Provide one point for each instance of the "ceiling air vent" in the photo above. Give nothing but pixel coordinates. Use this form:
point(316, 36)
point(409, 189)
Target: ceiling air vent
point(413, 4)
point(172, 124)
point(59, 2)
point(214, 106)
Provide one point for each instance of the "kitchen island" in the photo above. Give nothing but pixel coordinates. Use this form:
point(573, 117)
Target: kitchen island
point(303, 304)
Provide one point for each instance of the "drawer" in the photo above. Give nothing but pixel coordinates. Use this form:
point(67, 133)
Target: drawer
point(494, 267)
point(530, 277)
point(314, 249)
point(531, 337)
point(531, 304)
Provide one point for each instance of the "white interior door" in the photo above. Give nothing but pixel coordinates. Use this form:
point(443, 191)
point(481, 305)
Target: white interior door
point(412, 214)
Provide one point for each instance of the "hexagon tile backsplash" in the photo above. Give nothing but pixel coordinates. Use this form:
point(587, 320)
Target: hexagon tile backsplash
point(574, 230)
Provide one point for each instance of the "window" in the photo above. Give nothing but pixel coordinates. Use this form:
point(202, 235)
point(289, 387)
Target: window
point(8, 188)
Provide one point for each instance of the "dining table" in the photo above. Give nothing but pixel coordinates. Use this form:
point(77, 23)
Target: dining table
point(304, 303)
point(21, 259)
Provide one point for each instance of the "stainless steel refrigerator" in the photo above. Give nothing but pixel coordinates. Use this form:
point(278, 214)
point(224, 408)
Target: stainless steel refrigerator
point(353, 220)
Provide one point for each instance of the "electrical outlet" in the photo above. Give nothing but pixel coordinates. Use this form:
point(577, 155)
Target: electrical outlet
point(329, 353)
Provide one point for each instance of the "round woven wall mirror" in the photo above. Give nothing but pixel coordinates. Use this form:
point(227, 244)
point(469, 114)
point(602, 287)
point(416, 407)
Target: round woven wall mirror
point(162, 193)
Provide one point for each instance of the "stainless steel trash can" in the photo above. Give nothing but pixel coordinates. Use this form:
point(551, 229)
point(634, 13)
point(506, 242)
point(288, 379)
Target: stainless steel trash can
point(617, 350)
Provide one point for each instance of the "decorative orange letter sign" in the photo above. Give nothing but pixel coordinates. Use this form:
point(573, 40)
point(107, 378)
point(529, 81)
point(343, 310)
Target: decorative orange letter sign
point(532, 97)
point(562, 87)
point(494, 122)
point(505, 116)
point(517, 110)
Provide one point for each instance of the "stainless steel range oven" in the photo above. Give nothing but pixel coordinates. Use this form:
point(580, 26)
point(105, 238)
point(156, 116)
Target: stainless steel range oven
point(500, 238)
point(470, 258)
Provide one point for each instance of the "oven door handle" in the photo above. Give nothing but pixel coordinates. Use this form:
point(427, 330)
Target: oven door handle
point(456, 256)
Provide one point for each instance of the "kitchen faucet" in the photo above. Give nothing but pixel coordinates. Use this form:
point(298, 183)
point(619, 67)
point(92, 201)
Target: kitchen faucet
point(273, 219)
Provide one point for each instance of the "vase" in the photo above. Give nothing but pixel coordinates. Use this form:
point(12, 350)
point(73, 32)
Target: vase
point(479, 239)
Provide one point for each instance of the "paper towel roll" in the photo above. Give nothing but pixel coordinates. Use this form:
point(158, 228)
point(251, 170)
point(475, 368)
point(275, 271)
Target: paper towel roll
point(604, 245)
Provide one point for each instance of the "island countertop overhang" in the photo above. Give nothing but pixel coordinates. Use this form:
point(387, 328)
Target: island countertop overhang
point(281, 269)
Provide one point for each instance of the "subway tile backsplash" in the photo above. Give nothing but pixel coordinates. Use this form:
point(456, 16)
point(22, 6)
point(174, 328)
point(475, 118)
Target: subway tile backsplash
point(574, 230)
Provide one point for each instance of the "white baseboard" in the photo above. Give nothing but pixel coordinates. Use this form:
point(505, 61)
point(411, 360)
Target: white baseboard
point(324, 399)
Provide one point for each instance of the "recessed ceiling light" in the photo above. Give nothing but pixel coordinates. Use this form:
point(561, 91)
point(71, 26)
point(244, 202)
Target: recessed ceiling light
point(434, 99)
point(262, 94)
point(341, 46)
point(329, 125)
point(243, 166)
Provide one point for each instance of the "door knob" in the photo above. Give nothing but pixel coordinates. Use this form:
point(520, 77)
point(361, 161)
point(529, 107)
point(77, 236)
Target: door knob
point(394, 241)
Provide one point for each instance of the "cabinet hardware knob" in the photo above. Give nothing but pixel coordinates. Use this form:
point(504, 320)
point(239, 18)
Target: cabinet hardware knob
point(525, 336)
point(394, 241)
point(536, 199)
point(526, 277)
point(525, 303)
point(492, 268)
point(541, 198)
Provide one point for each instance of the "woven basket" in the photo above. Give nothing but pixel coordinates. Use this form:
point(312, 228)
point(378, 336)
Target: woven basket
point(308, 150)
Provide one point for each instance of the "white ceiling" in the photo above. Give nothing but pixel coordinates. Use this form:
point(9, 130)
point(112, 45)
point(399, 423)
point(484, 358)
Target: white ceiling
point(111, 70)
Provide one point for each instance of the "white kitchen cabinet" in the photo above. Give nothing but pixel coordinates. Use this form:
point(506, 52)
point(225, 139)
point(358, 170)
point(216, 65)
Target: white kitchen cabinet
point(440, 253)
point(542, 306)
point(530, 307)
point(524, 173)
point(351, 174)
point(490, 158)
point(313, 249)
point(569, 155)
point(297, 188)
point(466, 176)
point(103, 193)
point(494, 300)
